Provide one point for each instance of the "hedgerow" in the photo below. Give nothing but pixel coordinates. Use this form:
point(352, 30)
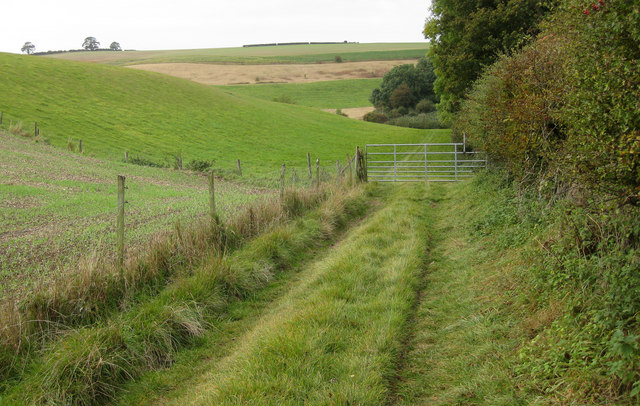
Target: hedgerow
point(561, 117)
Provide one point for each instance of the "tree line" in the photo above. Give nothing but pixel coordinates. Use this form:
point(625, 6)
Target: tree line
point(89, 44)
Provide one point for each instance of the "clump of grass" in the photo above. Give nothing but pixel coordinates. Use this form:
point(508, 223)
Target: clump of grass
point(88, 365)
point(284, 98)
point(16, 129)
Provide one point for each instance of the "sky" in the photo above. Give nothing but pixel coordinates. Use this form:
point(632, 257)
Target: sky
point(191, 24)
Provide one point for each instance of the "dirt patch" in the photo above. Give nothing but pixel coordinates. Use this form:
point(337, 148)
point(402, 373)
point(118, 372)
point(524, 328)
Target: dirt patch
point(357, 113)
point(212, 74)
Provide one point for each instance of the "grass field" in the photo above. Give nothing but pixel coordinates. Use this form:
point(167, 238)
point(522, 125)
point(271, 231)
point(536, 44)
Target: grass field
point(114, 110)
point(337, 94)
point(57, 206)
point(259, 55)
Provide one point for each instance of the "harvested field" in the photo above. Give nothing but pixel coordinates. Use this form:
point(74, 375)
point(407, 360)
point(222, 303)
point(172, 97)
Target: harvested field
point(356, 113)
point(214, 74)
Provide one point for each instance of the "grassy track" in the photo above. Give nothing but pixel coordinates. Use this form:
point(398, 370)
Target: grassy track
point(335, 94)
point(468, 327)
point(57, 206)
point(154, 116)
point(336, 336)
point(260, 55)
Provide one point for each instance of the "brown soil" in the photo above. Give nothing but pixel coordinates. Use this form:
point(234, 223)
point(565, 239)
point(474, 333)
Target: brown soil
point(212, 74)
point(356, 113)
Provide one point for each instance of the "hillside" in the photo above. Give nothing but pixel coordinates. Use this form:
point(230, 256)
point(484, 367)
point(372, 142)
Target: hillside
point(114, 110)
point(316, 53)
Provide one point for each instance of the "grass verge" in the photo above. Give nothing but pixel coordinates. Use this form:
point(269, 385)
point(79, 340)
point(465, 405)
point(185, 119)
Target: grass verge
point(88, 365)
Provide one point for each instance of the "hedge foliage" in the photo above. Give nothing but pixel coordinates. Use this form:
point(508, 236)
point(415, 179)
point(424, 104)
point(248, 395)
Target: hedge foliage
point(562, 115)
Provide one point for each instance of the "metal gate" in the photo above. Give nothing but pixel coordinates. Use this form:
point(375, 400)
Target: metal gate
point(446, 162)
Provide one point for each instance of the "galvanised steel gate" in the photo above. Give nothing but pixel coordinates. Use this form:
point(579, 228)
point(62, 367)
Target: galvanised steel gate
point(446, 162)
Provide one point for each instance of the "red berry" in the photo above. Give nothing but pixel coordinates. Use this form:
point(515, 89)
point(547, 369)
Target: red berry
point(586, 12)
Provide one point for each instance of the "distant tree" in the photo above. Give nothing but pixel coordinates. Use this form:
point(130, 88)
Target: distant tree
point(416, 82)
point(115, 46)
point(90, 44)
point(28, 48)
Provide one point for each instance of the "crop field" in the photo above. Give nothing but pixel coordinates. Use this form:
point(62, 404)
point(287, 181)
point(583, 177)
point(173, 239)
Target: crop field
point(336, 94)
point(259, 55)
point(157, 117)
point(57, 206)
point(215, 74)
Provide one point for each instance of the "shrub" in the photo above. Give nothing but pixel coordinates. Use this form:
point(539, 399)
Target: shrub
point(375, 117)
point(425, 106)
point(338, 59)
point(137, 160)
point(200, 165)
point(285, 98)
point(422, 121)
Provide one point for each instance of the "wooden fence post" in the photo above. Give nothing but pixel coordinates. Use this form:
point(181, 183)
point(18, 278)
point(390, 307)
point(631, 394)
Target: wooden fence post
point(1, 114)
point(294, 177)
point(350, 169)
point(361, 170)
point(126, 156)
point(309, 165)
point(239, 167)
point(80, 146)
point(317, 173)
point(282, 182)
point(212, 197)
point(35, 129)
point(120, 222)
point(338, 170)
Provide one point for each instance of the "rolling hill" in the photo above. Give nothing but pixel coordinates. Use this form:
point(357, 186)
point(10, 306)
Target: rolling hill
point(113, 110)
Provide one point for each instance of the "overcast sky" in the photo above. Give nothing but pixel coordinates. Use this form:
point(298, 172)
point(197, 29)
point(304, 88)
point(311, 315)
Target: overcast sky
point(184, 24)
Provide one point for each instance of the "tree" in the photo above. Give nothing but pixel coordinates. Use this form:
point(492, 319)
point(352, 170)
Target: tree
point(28, 48)
point(90, 44)
point(115, 46)
point(467, 36)
point(417, 82)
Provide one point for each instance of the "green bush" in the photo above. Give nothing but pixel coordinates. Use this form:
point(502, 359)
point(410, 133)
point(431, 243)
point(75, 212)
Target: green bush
point(402, 96)
point(137, 160)
point(200, 165)
point(285, 98)
point(376, 117)
point(425, 106)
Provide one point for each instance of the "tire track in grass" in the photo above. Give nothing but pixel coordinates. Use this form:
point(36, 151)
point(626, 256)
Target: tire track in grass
point(466, 326)
point(337, 337)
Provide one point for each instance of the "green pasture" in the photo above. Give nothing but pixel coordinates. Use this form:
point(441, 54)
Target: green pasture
point(158, 117)
point(317, 53)
point(334, 94)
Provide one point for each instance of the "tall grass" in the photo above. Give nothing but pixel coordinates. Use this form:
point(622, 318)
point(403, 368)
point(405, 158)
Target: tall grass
point(81, 339)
